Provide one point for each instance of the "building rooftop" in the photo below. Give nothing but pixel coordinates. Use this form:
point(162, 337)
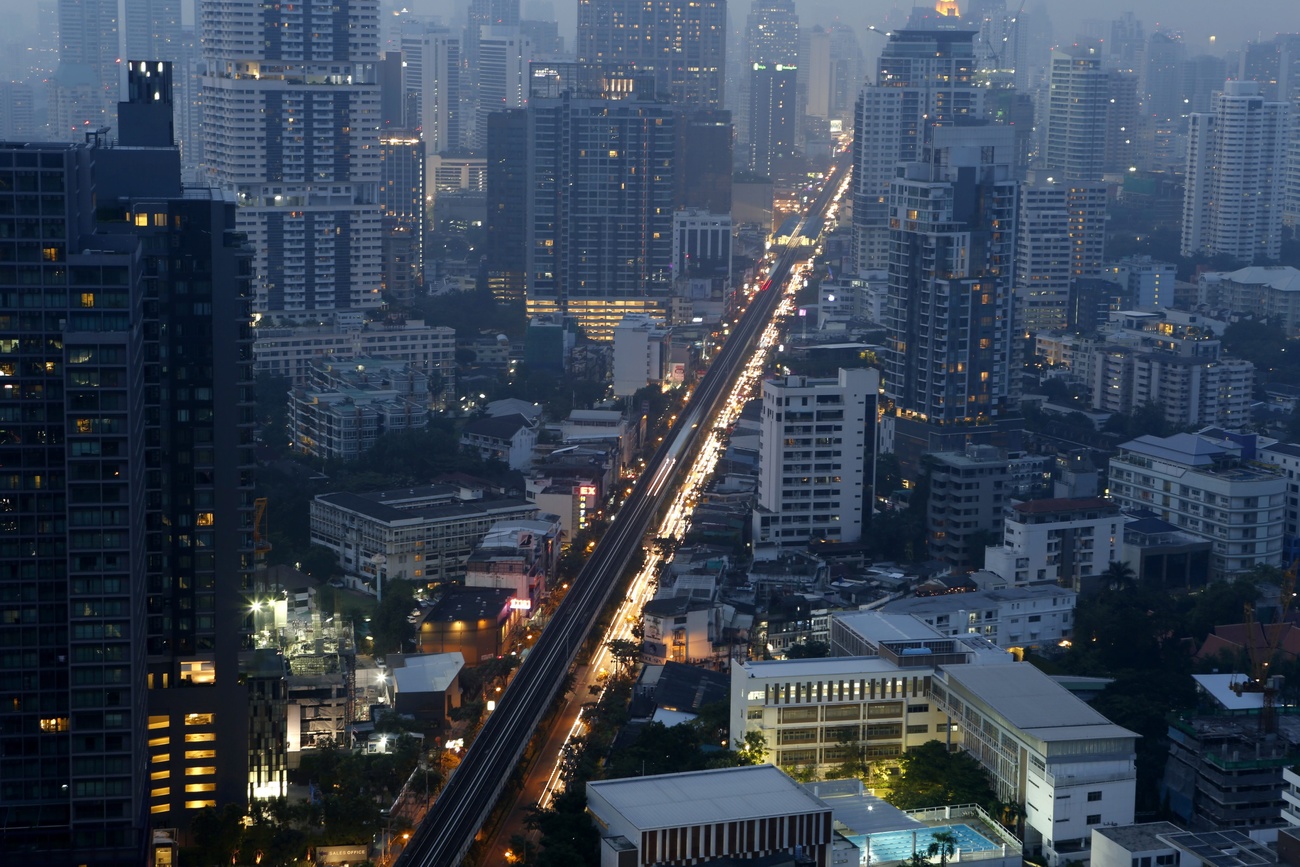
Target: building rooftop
point(469, 603)
point(1223, 848)
point(1064, 504)
point(425, 672)
point(1035, 704)
point(1139, 838)
point(1281, 277)
point(376, 507)
point(892, 625)
point(844, 666)
point(948, 602)
point(501, 427)
point(706, 797)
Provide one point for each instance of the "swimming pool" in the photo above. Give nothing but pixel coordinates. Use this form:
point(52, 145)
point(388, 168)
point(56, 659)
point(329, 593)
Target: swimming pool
point(897, 845)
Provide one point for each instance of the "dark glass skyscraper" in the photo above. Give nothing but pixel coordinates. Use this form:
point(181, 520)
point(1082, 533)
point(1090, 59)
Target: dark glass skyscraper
point(680, 43)
point(126, 485)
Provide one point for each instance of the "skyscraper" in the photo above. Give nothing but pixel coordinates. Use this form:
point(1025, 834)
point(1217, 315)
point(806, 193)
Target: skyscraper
point(1236, 168)
point(502, 73)
point(1076, 114)
point(1060, 238)
point(432, 80)
point(126, 568)
point(599, 201)
point(772, 46)
point(84, 87)
point(924, 79)
point(948, 306)
point(153, 29)
point(680, 43)
point(291, 127)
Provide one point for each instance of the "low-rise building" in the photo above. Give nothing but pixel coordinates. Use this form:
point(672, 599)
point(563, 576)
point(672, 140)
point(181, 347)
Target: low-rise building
point(1037, 615)
point(679, 629)
point(518, 555)
point(290, 350)
point(506, 438)
point(1068, 542)
point(969, 493)
point(423, 534)
point(472, 621)
point(1161, 555)
point(424, 686)
point(346, 406)
point(1215, 489)
point(678, 819)
point(1262, 291)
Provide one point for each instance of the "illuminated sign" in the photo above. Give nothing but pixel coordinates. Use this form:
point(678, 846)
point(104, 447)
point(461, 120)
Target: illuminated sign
point(521, 604)
point(587, 490)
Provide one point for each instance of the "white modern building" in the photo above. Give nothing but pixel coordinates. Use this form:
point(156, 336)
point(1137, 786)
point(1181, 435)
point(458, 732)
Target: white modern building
point(1286, 457)
point(431, 57)
point(422, 534)
point(742, 813)
point(1215, 489)
point(1040, 615)
point(812, 457)
point(1067, 765)
point(641, 350)
point(291, 128)
point(506, 438)
point(1071, 768)
point(1063, 541)
point(290, 351)
point(1236, 169)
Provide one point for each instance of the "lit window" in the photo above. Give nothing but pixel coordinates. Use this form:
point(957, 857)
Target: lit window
point(199, 805)
point(200, 737)
point(201, 771)
point(200, 787)
point(198, 719)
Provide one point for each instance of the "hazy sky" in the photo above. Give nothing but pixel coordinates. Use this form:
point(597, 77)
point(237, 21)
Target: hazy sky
point(1232, 21)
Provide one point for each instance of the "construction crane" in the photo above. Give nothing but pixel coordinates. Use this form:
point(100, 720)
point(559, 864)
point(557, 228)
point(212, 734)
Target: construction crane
point(261, 544)
point(1262, 651)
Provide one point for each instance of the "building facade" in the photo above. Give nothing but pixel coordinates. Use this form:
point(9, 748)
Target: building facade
point(1212, 489)
point(812, 457)
point(1064, 541)
point(925, 77)
point(1236, 169)
point(949, 308)
point(291, 128)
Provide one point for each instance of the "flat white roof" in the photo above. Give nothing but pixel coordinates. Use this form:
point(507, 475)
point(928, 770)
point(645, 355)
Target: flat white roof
point(842, 666)
point(1032, 702)
point(704, 797)
point(1219, 687)
point(878, 626)
point(432, 672)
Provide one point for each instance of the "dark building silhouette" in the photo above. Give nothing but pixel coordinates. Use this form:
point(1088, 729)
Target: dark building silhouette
point(126, 562)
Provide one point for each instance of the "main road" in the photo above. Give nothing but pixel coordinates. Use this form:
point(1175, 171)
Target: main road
point(464, 804)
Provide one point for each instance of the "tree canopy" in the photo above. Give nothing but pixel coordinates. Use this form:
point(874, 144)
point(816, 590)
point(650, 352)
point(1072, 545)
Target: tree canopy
point(932, 776)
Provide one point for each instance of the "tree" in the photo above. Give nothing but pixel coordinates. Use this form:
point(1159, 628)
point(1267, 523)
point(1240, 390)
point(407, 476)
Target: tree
point(625, 652)
point(389, 624)
point(1119, 575)
point(808, 650)
point(753, 749)
point(932, 776)
point(943, 844)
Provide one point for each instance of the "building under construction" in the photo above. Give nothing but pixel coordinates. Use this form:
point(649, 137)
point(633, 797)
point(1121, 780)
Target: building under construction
point(322, 660)
point(1225, 770)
